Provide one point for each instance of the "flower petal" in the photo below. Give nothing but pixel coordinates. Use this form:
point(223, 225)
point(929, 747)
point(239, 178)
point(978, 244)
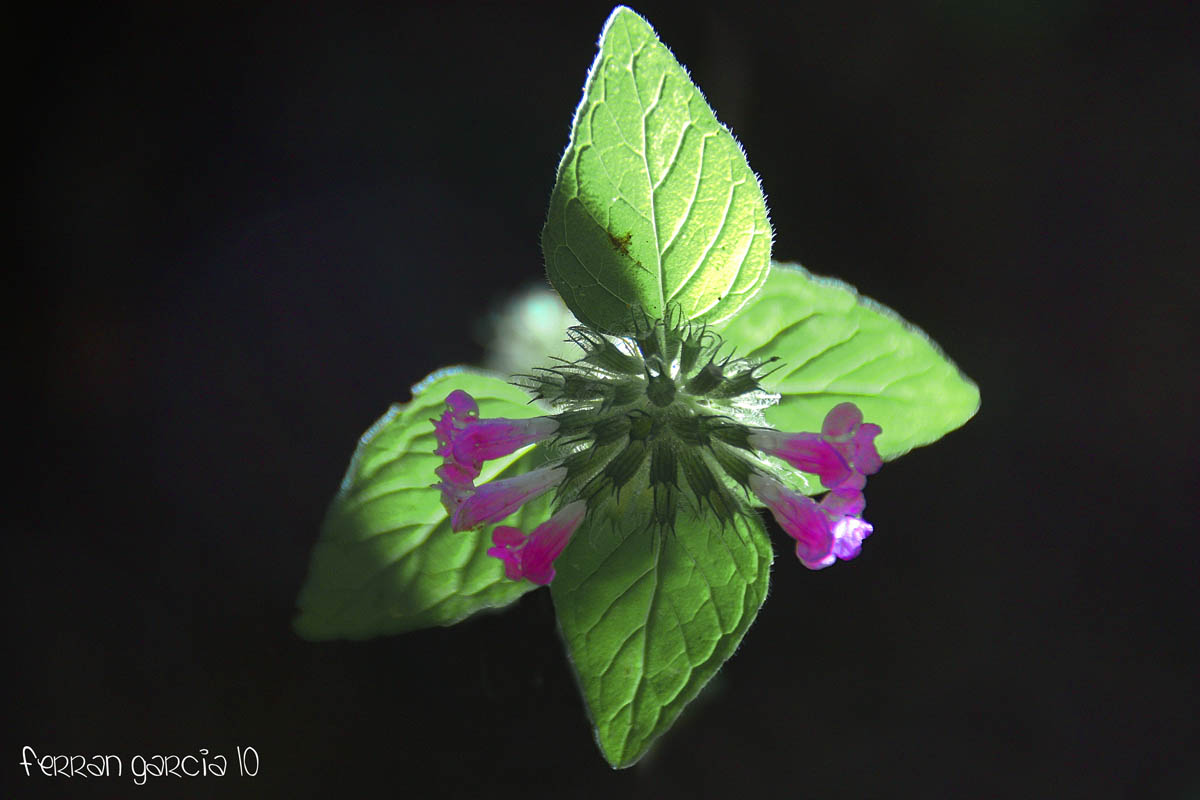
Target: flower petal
point(841, 420)
point(453, 495)
point(814, 537)
point(532, 557)
point(856, 481)
point(548, 540)
point(512, 564)
point(458, 477)
point(844, 502)
point(452, 472)
point(506, 535)
point(821, 563)
point(848, 535)
point(866, 457)
point(461, 406)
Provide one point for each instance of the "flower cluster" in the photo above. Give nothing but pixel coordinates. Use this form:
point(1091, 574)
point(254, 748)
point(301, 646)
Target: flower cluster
point(646, 425)
point(841, 455)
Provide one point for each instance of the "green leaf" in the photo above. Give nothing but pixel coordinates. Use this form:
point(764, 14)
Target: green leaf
point(837, 346)
point(386, 560)
point(654, 203)
point(648, 619)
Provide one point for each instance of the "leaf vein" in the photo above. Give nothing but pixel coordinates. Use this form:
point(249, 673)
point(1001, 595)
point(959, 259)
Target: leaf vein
point(716, 235)
point(646, 165)
point(784, 331)
point(736, 274)
point(691, 206)
point(818, 355)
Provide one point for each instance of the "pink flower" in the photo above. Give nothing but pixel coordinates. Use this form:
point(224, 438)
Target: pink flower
point(841, 454)
point(465, 442)
point(494, 501)
point(825, 531)
point(486, 439)
point(842, 507)
point(848, 535)
point(458, 480)
point(455, 486)
point(532, 555)
point(854, 440)
point(461, 408)
point(807, 452)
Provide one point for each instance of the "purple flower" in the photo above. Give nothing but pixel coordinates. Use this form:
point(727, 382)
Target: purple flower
point(842, 507)
point(486, 439)
point(494, 501)
point(852, 438)
point(458, 480)
point(465, 442)
point(532, 555)
point(825, 531)
point(807, 452)
point(841, 454)
point(848, 535)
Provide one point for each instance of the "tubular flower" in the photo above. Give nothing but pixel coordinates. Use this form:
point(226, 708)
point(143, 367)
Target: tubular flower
point(531, 556)
point(807, 452)
point(457, 479)
point(494, 501)
point(854, 440)
point(643, 425)
point(842, 453)
point(487, 439)
point(465, 442)
point(824, 531)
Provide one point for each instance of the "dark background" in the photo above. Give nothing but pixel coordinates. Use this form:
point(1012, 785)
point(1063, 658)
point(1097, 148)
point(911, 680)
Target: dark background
point(250, 230)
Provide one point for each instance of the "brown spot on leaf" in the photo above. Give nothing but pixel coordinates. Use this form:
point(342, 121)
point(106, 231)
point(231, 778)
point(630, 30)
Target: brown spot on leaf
point(621, 243)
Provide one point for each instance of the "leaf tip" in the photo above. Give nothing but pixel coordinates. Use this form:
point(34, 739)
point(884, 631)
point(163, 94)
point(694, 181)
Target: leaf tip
point(622, 11)
point(971, 397)
point(625, 15)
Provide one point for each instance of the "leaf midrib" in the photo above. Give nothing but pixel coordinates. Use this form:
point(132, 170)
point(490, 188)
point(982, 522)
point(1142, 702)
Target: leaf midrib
point(644, 153)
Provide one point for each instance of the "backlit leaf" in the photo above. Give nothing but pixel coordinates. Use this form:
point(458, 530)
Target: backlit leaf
point(654, 205)
point(649, 618)
point(836, 346)
point(386, 560)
